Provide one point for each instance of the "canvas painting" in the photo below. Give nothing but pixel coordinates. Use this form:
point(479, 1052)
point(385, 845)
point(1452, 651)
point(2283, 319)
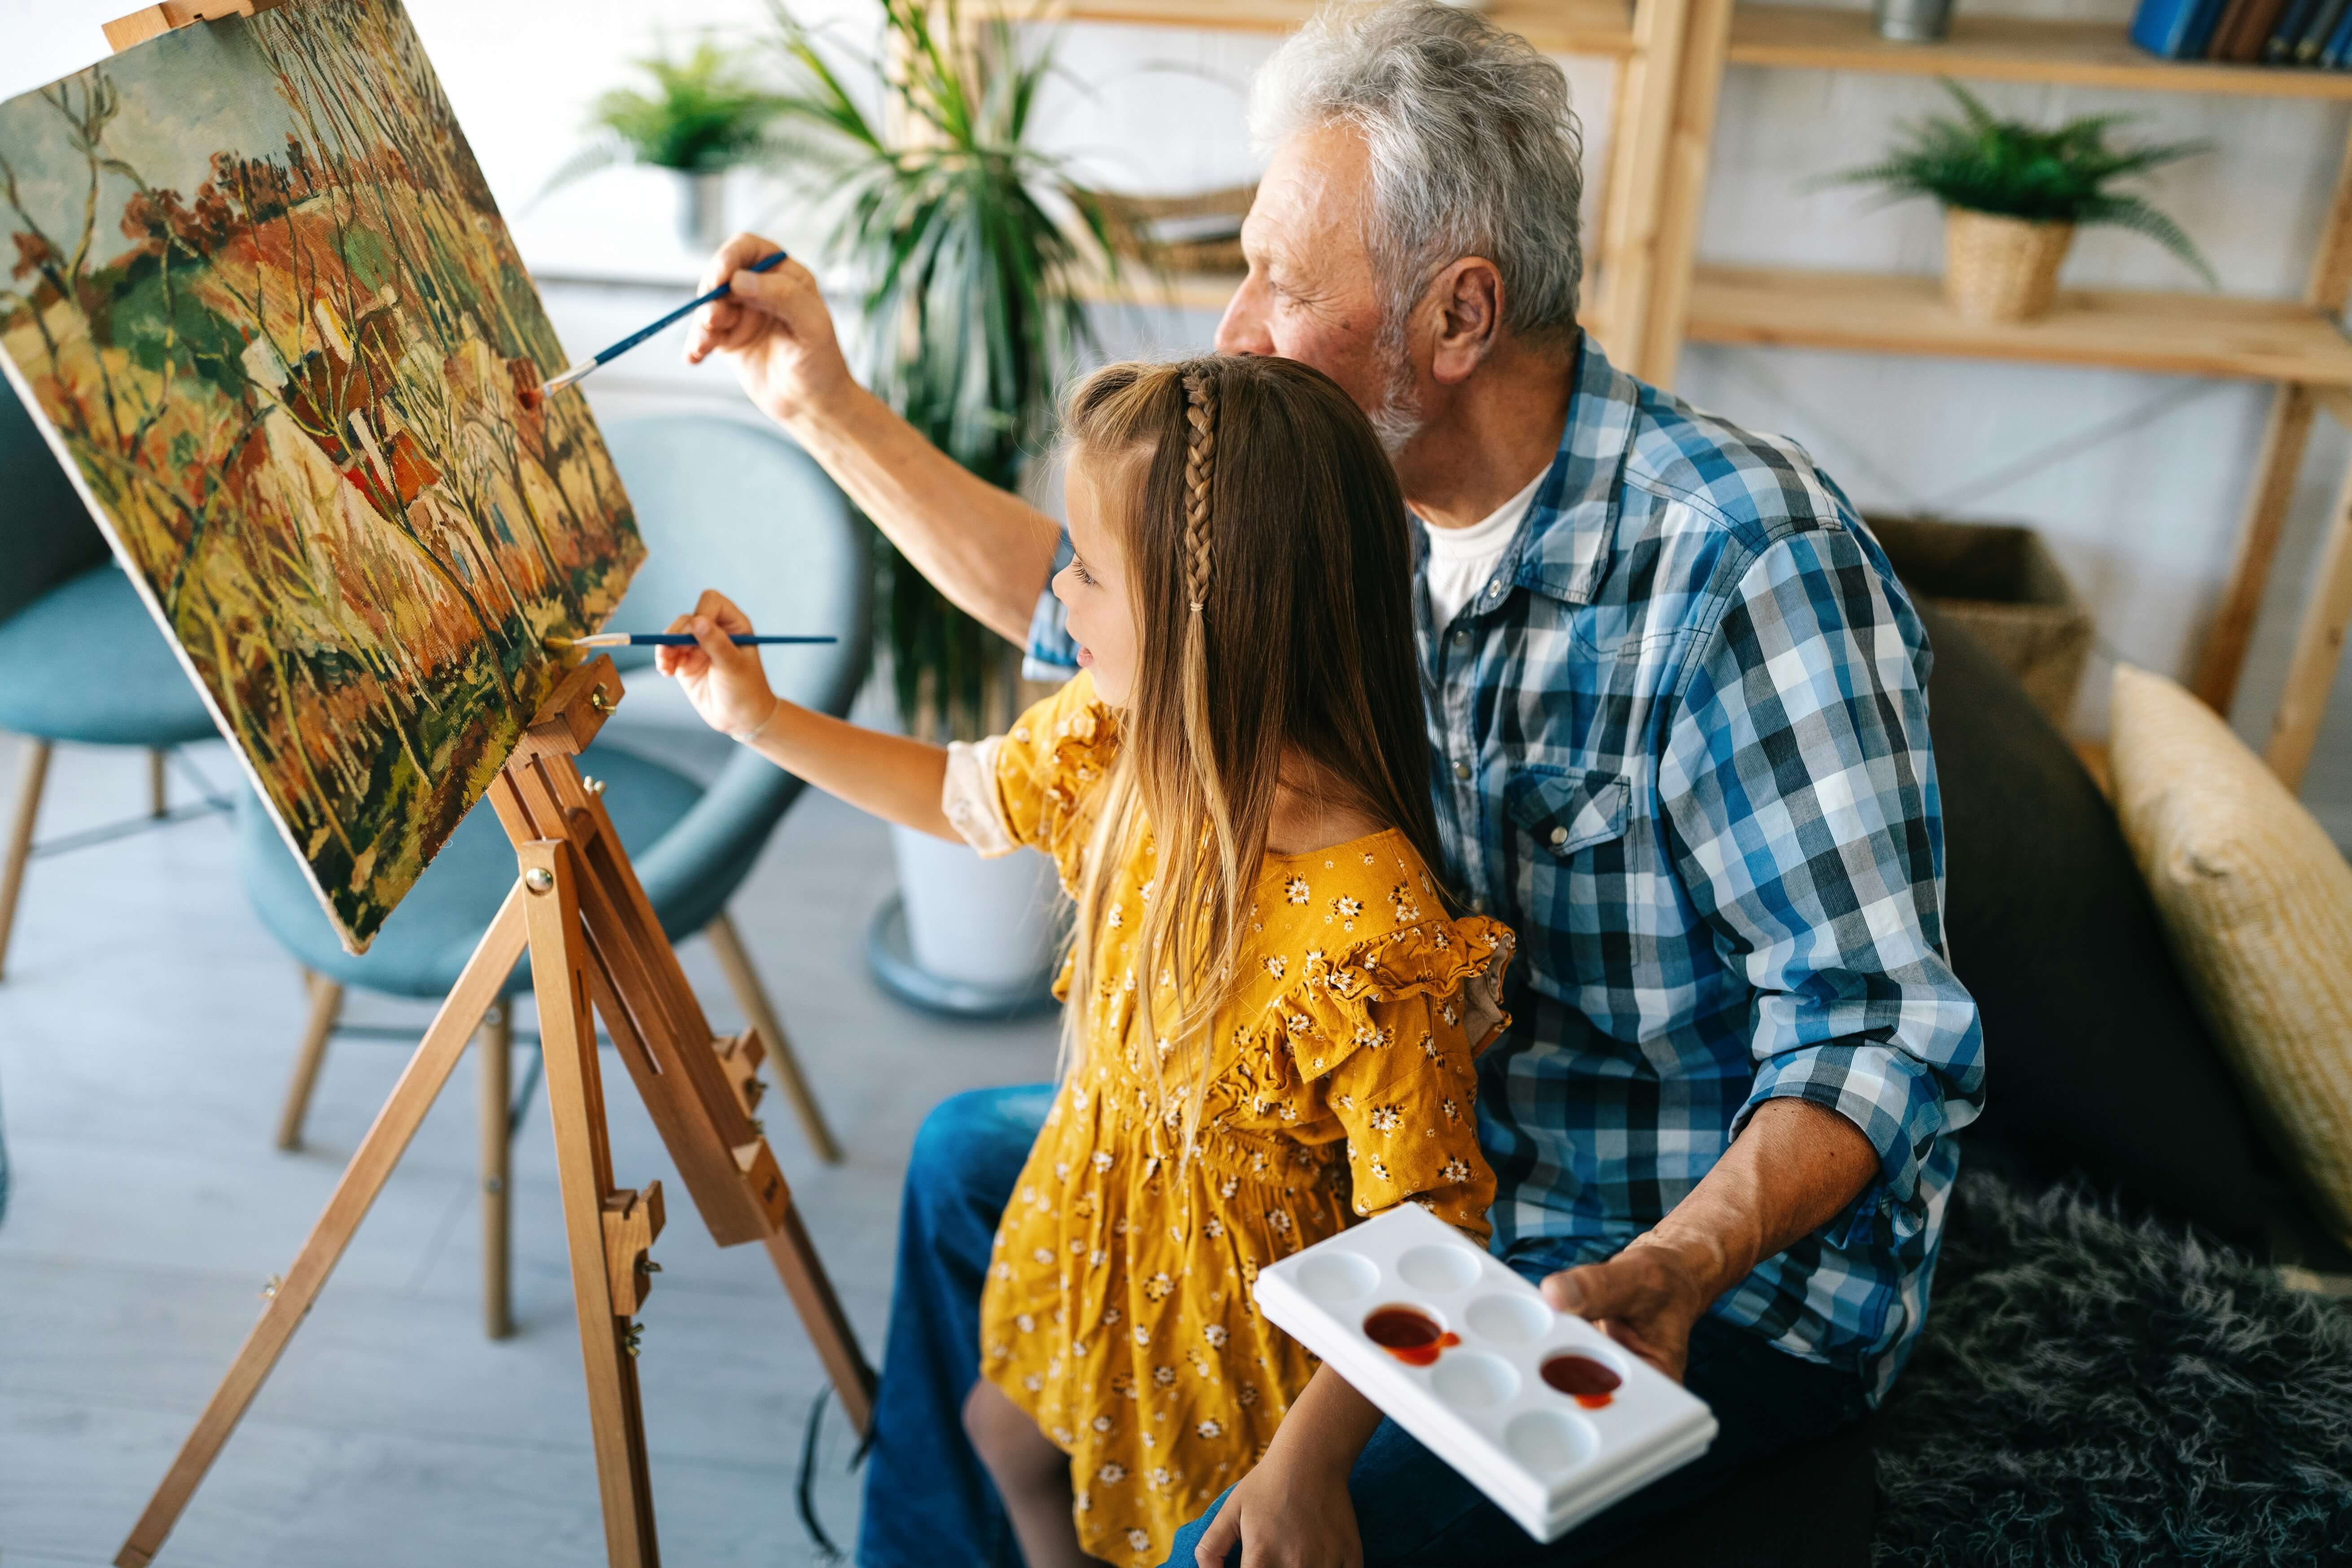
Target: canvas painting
point(264, 302)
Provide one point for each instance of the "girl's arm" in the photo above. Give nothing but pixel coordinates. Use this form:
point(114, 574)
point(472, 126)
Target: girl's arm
point(1293, 1509)
point(890, 776)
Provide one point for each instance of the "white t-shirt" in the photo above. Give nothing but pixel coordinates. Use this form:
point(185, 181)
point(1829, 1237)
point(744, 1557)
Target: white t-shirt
point(1463, 560)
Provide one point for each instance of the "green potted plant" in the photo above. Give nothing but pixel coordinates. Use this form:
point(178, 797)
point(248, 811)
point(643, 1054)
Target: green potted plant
point(704, 115)
point(970, 246)
point(2014, 196)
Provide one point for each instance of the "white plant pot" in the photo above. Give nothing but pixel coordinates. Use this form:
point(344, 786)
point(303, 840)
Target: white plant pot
point(992, 924)
point(701, 209)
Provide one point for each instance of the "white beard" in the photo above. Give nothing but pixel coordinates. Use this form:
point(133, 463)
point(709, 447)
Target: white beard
point(1398, 418)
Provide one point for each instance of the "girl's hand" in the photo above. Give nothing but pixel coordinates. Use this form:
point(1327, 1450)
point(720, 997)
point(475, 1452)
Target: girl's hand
point(1292, 1511)
point(727, 684)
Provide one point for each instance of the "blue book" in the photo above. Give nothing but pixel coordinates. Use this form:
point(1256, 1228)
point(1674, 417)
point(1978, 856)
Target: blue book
point(2176, 29)
point(2162, 27)
point(2339, 46)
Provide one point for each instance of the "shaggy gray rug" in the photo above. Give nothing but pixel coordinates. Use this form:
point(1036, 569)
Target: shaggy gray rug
point(2090, 1392)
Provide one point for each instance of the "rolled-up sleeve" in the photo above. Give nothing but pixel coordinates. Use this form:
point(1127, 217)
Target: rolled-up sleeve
point(1800, 788)
point(1051, 655)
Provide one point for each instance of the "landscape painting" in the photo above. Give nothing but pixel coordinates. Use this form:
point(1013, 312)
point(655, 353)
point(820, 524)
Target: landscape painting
point(262, 298)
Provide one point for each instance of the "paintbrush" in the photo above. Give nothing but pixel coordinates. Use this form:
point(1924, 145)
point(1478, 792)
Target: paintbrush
point(668, 639)
point(558, 383)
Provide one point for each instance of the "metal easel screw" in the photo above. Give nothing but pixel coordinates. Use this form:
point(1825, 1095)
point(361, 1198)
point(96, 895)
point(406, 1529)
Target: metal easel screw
point(269, 1287)
point(598, 701)
point(634, 1337)
point(650, 1267)
point(539, 879)
point(592, 784)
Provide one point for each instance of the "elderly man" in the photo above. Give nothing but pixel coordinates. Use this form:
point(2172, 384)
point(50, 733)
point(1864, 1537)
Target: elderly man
point(1678, 707)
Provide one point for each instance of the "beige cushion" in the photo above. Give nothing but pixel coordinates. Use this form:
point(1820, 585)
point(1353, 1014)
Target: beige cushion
point(2258, 904)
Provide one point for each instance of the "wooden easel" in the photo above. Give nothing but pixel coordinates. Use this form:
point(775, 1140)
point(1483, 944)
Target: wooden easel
point(577, 908)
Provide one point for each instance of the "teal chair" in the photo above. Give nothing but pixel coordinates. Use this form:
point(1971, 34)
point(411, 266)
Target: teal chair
point(86, 664)
point(723, 504)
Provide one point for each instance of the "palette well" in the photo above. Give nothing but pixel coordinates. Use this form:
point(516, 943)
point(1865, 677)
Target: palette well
point(1543, 1412)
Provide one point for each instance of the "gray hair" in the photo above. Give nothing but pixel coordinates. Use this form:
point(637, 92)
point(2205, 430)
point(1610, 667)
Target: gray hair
point(1475, 151)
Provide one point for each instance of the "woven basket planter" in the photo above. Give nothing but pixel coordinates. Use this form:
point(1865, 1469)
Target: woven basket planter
point(2001, 269)
point(2001, 583)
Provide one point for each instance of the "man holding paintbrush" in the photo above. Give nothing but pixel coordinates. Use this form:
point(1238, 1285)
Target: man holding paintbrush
point(1679, 706)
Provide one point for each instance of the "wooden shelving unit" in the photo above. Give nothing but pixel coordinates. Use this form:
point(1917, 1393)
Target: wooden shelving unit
point(2178, 334)
point(2297, 345)
point(2003, 48)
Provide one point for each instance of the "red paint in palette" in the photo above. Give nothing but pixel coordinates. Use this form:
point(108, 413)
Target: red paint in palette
point(1410, 1335)
point(1583, 1379)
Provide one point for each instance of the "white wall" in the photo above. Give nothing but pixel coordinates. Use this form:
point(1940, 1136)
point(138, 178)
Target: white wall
point(2137, 480)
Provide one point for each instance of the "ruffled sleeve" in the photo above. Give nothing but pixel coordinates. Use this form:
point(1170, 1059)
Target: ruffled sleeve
point(1385, 1034)
point(1035, 784)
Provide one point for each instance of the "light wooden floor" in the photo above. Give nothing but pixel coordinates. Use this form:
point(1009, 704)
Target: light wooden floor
point(146, 1025)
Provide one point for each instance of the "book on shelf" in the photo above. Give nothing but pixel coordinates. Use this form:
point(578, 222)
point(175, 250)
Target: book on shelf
point(2337, 50)
point(2254, 23)
point(2323, 28)
point(2226, 28)
point(2174, 29)
point(2279, 47)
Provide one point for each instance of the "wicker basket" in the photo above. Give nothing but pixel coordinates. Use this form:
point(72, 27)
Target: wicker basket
point(2001, 582)
point(2001, 269)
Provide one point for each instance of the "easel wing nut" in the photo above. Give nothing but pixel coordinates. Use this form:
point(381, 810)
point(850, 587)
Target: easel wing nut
point(632, 1221)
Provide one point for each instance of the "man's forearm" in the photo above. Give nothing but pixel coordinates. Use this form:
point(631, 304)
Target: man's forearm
point(1790, 1171)
point(986, 549)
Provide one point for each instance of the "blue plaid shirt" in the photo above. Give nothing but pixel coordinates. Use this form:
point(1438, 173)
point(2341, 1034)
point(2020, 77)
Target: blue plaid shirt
point(1681, 747)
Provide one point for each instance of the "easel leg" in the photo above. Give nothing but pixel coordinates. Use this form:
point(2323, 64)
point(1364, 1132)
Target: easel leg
point(575, 1101)
point(752, 997)
point(379, 1151)
point(496, 1045)
point(20, 838)
point(159, 793)
point(325, 1008)
point(794, 1256)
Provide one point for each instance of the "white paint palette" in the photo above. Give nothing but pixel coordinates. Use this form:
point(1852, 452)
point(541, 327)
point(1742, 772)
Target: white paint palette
point(1543, 1412)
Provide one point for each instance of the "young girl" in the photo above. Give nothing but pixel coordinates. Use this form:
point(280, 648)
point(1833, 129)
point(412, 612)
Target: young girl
point(1270, 1019)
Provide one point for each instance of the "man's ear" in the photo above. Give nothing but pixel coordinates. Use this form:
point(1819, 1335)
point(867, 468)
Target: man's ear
point(1467, 301)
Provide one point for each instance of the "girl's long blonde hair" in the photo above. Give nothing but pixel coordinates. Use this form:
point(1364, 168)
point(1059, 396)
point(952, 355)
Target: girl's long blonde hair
point(1270, 565)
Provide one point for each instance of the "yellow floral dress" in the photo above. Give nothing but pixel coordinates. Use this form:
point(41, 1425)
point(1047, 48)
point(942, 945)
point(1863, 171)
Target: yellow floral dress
point(1117, 1310)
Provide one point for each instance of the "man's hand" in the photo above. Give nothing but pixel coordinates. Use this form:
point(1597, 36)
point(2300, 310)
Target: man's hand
point(776, 328)
point(1646, 1298)
point(1790, 1171)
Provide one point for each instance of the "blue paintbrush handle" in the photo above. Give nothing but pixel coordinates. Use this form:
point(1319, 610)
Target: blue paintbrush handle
point(765, 264)
point(686, 639)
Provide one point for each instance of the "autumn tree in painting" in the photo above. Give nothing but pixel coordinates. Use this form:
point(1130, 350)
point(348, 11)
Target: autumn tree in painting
point(299, 377)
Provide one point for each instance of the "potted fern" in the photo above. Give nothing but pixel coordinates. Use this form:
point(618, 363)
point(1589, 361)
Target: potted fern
point(2014, 196)
point(704, 115)
point(969, 244)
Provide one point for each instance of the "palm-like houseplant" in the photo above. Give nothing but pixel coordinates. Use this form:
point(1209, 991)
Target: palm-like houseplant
point(2014, 196)
point(969, 244)
point(947, 216)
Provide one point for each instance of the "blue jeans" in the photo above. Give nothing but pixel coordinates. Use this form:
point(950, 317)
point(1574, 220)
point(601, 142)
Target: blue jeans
point(926, 1491)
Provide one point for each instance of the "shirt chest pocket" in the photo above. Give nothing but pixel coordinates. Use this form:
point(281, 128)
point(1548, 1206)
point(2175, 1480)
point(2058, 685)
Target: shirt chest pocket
point(1566, 853)
point(1560, 814)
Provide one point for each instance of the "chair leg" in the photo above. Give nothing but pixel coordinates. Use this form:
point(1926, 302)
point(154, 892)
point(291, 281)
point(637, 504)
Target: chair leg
point(496, 1044)
point(20, 838)
point(326, 1006)
point(752, 997)
point(159, 796)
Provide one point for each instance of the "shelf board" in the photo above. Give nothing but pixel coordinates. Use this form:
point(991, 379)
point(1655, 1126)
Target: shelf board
point(1555, 26)
point(2182, 334)
point(2003, 49)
